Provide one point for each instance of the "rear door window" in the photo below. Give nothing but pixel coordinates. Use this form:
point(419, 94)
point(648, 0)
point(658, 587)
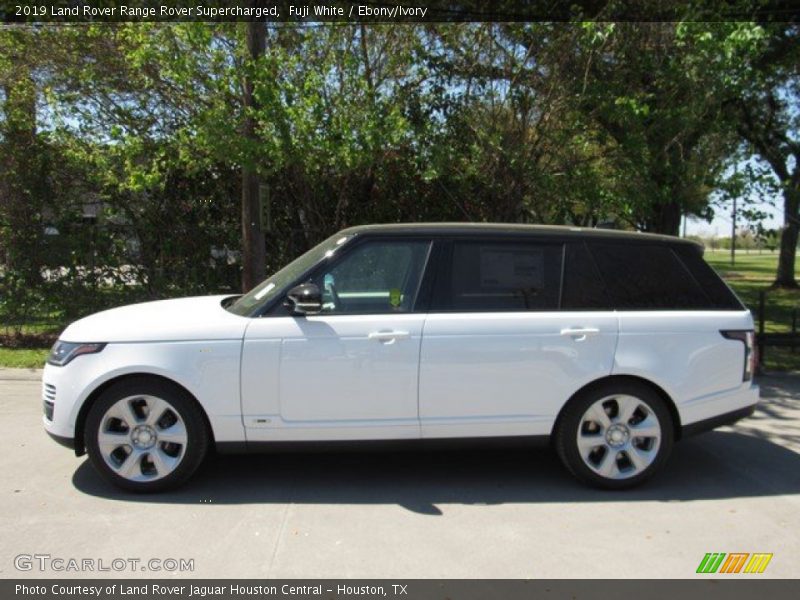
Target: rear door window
point(504, 276)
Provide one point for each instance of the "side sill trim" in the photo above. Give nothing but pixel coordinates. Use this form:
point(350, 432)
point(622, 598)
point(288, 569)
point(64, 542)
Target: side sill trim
point(380, 445)
point(718, 421)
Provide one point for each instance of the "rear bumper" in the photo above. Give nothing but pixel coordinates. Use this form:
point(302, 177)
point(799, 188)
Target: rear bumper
point(722, 408)
point(718, 421)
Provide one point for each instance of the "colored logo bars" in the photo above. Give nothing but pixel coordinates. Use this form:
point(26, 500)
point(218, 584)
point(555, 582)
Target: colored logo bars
point(735, 562)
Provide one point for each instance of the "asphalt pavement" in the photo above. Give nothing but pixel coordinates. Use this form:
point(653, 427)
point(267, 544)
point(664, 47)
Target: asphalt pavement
point(458, 514)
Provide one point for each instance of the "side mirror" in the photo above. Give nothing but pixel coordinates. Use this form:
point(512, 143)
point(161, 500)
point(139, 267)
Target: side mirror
point(304, 299)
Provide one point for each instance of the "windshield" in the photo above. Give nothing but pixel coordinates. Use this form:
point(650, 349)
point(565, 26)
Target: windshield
point(270, 287)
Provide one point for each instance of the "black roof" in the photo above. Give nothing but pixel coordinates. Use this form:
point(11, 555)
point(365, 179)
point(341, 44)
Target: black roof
point(513, 229)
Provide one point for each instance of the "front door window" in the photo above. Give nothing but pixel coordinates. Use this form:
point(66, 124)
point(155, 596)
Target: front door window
point(375, 278)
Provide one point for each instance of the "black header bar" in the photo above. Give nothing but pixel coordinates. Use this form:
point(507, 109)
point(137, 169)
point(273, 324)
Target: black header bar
point(703, 587)
point(388, 11)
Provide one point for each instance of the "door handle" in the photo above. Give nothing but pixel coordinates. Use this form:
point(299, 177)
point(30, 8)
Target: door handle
point(388, 336)
point(580, 333)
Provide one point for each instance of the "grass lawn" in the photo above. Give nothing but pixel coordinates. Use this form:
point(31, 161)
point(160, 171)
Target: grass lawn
point(23, 357)
point(750, 274)
point(31, 350)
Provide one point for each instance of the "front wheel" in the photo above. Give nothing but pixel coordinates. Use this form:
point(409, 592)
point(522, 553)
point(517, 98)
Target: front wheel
point(615, 436)
point(145, 435)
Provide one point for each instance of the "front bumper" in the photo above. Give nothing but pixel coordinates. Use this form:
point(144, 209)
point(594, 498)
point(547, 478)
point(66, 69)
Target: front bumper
point(67, 442)
point(63, 393)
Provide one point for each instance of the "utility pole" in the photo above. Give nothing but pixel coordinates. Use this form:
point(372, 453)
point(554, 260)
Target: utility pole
point(733, 233)
point(253, 247)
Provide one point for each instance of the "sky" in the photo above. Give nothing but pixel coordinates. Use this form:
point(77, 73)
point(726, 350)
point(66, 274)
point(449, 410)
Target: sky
point(757, 199)
point(721, 225)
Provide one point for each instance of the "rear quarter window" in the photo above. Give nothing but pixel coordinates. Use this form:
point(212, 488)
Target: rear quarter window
point(718, 292)
point(648, 277)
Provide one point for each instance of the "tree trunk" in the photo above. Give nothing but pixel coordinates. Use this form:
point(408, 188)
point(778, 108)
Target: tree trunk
point(785, 276)
point(666, 219)
point(253, 242)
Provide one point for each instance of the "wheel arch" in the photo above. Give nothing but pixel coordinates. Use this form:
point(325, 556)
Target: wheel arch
point(611, 379)
point(80, 420)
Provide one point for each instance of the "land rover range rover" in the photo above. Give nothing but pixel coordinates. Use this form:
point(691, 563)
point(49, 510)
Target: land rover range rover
point(613, 345)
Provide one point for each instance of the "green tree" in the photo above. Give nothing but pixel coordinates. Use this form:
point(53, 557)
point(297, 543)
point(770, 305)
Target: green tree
point(753, 73)
point(23, 175)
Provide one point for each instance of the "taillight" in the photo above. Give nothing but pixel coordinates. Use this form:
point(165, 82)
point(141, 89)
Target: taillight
point(748, 338)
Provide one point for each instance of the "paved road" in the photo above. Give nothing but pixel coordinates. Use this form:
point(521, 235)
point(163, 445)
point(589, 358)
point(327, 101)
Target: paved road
point(499, 513)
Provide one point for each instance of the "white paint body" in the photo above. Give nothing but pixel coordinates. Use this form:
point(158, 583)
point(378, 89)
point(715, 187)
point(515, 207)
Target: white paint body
point(401, 376)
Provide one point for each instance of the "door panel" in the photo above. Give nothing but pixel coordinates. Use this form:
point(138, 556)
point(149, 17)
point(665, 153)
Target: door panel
point(350, 372)
point(342, 368)
point(508, 373)
point(501, 358)
point(332, 378)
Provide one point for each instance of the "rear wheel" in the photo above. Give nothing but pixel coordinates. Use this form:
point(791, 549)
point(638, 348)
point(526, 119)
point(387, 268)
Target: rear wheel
point(146, 435)
point(615, 436)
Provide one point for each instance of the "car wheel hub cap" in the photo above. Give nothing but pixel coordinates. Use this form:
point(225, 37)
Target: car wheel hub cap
point(144, 437)
point(618, 435)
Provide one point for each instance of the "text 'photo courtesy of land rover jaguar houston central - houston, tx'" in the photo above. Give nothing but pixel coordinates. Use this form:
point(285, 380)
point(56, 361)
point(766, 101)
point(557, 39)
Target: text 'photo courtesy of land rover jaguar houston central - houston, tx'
point(613, 345)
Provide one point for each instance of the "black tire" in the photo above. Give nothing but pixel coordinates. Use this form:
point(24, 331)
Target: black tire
point(567, 428)
point(179, 401)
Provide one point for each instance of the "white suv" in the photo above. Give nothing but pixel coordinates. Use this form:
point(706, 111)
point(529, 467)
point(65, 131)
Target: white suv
point(612, 345)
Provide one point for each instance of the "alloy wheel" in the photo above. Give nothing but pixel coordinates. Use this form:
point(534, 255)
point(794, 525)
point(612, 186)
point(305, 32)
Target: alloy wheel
point(142, 438)
point(619, 436)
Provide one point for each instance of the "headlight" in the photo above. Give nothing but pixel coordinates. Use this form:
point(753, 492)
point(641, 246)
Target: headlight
point(63, 352)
